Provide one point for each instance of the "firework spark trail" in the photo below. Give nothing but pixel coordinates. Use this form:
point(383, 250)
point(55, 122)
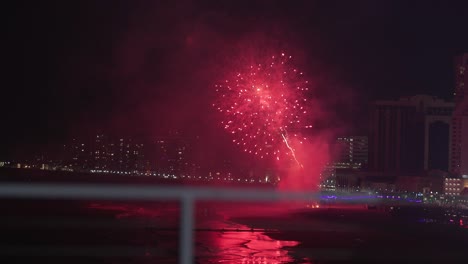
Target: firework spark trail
point(291, 149)
point(260, 101)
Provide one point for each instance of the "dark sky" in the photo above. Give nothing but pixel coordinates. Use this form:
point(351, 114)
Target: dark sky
point(143, 67)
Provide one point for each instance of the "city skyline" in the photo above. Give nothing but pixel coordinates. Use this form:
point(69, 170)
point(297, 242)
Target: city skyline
point(141, 83)
point(290, 105)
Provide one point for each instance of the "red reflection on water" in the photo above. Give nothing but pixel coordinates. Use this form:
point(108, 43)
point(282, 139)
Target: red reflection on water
point(243, 246)
point(218, 240)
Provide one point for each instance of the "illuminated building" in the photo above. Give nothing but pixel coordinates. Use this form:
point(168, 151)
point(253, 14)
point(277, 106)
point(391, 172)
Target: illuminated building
point(328, 179)
point(347, 180)
point(353, 152)
point(121, 154)
point(100, 155)
point(353, 155)
point(411, 134)
point(459, 145)
point(81, 154)
point(76, 155)
point(453, 186)
point(171, 155)
point(126, 155)
point(165, 156)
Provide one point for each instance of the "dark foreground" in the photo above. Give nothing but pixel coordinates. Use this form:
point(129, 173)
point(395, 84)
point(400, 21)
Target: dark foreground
point(121, 232)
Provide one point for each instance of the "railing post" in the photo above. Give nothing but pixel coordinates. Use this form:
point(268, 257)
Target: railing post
point(186, 230)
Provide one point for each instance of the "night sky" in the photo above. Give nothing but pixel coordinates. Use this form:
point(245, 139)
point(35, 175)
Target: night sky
point(144, 67)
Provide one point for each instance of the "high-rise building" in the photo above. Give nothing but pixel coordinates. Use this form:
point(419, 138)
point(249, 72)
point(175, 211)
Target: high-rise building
point(352, 156)
point(172, 155)
point(353, 152)
point(437, 134)
point(411, 134)
point(461, 79)
point(126, 154)
point(459, 144)
point(122, 154)
point(79, 154)
point(100, 153)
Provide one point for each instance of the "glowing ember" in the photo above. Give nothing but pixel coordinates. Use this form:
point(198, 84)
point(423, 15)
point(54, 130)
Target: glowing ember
point(264, 105)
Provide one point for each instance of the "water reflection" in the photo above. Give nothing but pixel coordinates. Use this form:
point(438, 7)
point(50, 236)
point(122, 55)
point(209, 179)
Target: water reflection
point(218, 240)
point(240, 245)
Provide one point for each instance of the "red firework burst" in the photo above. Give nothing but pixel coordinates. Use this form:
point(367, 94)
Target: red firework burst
point(263, 105)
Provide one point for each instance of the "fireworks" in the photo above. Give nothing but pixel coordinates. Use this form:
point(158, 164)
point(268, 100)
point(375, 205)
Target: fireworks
point(264, 105)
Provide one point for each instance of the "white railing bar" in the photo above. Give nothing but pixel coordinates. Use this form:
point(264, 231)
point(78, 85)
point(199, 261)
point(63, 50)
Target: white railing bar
point(138, 192)
point(186, 232)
